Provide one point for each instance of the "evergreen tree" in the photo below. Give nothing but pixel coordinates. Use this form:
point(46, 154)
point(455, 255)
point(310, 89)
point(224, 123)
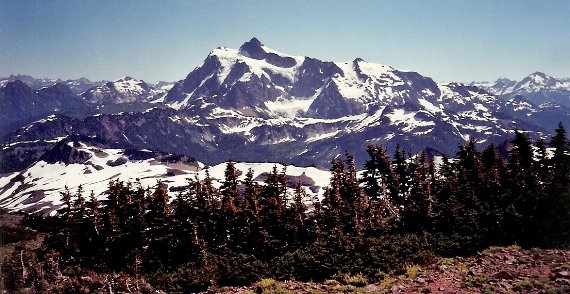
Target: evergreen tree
point(497, 209)
point(158, 229)
point(524, 189)
point(402, 177)
point(229, 189)
point(297, 219)
point(186, 242)
point(380, 183)
point(96, 242)
point(271, 215)
point(416, 215)
point(555, 209)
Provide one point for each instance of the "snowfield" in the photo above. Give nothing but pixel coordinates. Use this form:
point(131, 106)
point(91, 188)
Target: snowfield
point(42, 184)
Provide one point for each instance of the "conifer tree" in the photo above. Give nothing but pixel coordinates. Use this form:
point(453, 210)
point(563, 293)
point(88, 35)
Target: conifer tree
point(524, 189)
point(272, 198)
point(355, 198)
point(229, 189)
point(158, 228)
point(381, 186)
point(94, 229)
point(251, 194)
point(185, 226)
point(297, 219)
point(555, 209)
point(497, 210)
point(418, 205)
point(402, 176)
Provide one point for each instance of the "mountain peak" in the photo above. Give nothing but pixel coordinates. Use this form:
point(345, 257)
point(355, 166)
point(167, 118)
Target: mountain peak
point(537, 73)
point(256, 42)
point(253, 49)
point(124, 79)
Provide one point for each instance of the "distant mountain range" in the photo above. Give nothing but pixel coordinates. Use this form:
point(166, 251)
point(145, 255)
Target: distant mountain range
point(257, 104)
point(538, 88)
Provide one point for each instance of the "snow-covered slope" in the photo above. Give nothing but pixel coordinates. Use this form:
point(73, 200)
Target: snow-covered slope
point(70, 164)
point(122, 90)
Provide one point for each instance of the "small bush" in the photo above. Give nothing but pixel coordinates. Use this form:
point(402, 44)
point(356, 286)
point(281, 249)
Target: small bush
point(358, 280)
point(266, 284)
point(331, 283)
point(344, 289)
point(448, 261)
point(412, 271)
point(489, 289)
point(270, 286)
point(523, 285)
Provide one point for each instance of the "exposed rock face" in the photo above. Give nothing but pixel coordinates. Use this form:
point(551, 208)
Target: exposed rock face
point(19, 102)
point(331, 104)
point(66, 154)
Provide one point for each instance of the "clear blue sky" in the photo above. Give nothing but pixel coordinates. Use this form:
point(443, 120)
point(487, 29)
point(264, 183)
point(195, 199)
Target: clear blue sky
point(164, 40)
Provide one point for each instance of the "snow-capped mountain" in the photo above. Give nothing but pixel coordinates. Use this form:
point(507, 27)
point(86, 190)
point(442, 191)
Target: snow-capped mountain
point(39, 187)
point(123, 90)
point(77, 86)
point(538, 88)
point(257, 104)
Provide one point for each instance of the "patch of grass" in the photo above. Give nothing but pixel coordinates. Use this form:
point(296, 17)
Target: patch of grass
point(523, 285)
point(388, 282)
point(476, 281)
point(448, 261)
point(315, 291)
point(553, 290)
point(535, 250)
point(514, 247)
point(270, 286)
point(344, 289)
point(412, 271)
point(266, 283)
point(496, 249)
point(489, 289)
point(331, 283)
point(379, 276)
point(491, 250)
point(543, 279)
point(358, 280)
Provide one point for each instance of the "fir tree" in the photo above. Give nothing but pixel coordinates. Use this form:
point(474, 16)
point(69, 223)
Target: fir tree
point(555, 209)
point(158, 232)
point(524, 189)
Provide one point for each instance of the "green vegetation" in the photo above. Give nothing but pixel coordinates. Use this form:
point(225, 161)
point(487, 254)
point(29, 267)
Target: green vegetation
point(523, 285)
point(412, 271)
point(399, 212)
point(357, 280)
point(270, 286)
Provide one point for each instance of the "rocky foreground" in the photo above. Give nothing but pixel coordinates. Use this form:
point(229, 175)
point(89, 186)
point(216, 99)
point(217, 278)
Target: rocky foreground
point(495, 270)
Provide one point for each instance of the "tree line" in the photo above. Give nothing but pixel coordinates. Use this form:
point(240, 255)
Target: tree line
point(399, 210)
